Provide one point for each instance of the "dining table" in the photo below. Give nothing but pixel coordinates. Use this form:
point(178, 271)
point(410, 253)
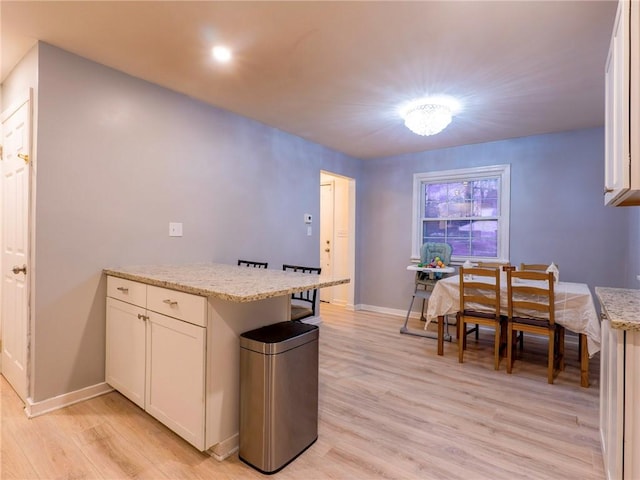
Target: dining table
point(574, 310)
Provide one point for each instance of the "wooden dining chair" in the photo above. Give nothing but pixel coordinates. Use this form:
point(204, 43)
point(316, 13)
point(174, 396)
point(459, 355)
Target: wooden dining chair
point(480, 304)
point(251, 263)
point(303, 304)
point(531, 309)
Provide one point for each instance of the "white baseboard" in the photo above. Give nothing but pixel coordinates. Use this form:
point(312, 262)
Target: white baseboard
point(396, 312)
point(226, 448)
point(34, 409)
point(387, 311)
point(341, 303)
point(317, 320)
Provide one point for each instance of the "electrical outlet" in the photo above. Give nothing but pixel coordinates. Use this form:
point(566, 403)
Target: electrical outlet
point(638, 277)
point(175, 229)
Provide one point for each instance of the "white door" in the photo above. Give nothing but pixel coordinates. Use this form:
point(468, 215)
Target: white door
point(15, 244)
point(327, 213)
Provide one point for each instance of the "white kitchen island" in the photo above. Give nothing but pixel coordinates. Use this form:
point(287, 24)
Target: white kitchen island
point(172, 340)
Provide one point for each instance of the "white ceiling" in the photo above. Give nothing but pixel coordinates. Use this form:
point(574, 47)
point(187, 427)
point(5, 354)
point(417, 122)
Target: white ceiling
point(334, 72)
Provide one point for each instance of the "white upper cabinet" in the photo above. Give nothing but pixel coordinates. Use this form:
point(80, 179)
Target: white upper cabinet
point(622, 116)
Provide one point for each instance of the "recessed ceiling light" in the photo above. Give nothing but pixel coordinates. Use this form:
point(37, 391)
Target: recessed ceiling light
point(221, 54)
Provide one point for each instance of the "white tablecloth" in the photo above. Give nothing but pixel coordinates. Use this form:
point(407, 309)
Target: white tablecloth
point(574, 306)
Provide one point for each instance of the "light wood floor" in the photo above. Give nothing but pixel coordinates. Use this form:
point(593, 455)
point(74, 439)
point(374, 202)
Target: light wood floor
point(389, 408)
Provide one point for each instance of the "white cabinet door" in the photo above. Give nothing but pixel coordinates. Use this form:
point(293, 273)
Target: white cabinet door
point(176, 376)
point(617, 161)
point(125, 345)
point(622, 113)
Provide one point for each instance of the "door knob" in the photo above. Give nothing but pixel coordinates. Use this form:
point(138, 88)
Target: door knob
point(16, 269)
point(327, 250)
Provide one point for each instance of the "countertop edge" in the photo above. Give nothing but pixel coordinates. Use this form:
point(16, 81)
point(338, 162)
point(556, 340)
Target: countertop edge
point(221, 295)
point(621, 307)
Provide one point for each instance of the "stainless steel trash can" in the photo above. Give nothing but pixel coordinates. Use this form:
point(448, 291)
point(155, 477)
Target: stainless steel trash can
point(278, 394)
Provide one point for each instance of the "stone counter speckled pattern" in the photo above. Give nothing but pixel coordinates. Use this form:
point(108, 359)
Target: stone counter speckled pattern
point(228, 282)
point(621, 306)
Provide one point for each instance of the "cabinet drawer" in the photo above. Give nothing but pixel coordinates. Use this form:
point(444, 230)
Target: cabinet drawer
point(127, 291)
point(187, 307)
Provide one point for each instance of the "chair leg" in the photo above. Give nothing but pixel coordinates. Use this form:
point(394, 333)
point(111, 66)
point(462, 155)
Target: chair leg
point(551, 360)
point(510, 346)
point(561, 347)
point(496, 346)
point(477, 332)
point(503, 339)
point(462, 326)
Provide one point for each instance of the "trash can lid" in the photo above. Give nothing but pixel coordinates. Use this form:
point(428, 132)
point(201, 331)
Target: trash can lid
point(278, 337)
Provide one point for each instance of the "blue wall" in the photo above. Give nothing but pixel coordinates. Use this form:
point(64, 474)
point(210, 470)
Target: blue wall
point(557, 212)
point(119, 158)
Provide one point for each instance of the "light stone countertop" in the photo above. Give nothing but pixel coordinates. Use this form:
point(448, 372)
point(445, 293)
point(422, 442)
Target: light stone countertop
point(621, 306)
point(228, 282)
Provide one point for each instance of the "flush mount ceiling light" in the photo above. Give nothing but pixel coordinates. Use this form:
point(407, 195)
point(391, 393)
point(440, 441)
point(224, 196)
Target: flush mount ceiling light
point(428, 116)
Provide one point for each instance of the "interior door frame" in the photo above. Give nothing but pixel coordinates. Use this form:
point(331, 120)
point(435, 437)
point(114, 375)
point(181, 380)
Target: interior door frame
point(326, 294)
point(351, 233)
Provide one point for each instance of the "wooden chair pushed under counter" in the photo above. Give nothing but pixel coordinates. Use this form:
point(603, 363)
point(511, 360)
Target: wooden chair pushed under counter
point(480, 304)
point(531, 309)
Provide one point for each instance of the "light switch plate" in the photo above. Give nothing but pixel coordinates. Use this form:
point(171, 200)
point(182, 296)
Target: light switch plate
point(309, 231)
point(175, 229)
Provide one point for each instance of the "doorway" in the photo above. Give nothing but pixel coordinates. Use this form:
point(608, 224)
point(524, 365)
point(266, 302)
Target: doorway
point(337, 236)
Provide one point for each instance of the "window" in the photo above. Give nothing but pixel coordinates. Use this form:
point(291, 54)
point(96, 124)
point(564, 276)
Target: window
point(467, 208)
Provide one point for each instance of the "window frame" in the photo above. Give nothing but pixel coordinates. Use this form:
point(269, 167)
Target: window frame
point(502, 172)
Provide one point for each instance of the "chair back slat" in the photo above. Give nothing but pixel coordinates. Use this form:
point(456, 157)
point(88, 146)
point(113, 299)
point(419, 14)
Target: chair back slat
point(538, 267)
point(485, 264)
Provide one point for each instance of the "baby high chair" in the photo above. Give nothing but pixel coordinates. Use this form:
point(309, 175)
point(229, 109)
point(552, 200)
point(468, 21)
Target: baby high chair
point(426, 280)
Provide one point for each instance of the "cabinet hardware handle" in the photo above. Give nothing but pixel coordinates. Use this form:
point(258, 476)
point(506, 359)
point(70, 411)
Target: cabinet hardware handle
point(143, 317)
point(603, 316)
point(123, 289)
point(171, 303)
point(608, 190)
